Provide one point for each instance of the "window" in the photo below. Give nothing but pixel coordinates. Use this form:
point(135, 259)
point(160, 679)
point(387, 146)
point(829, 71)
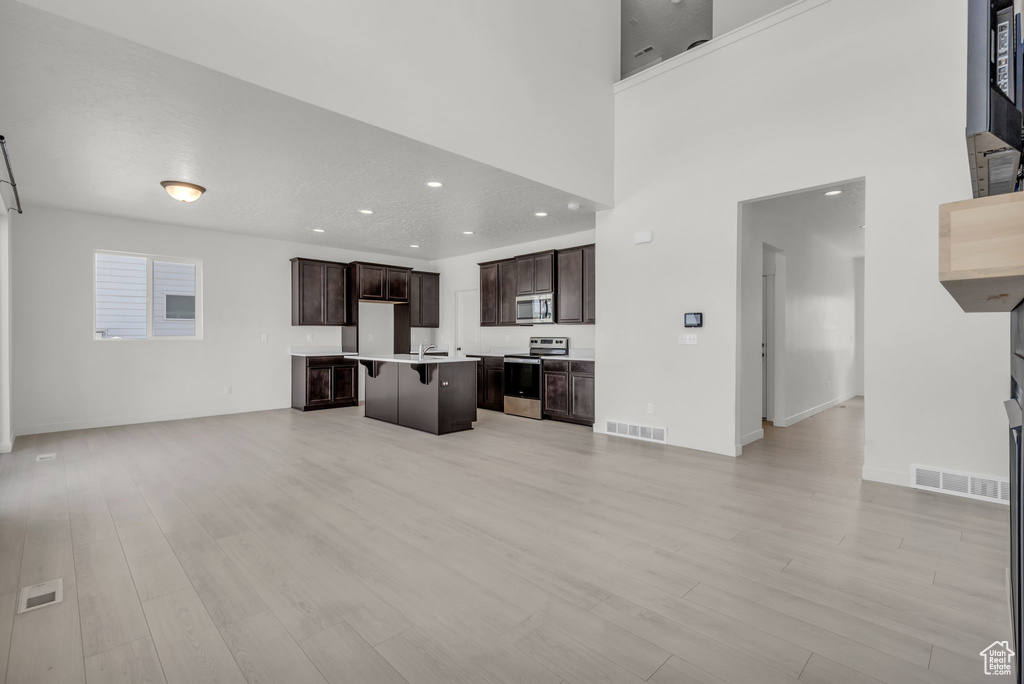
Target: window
point(146, 297)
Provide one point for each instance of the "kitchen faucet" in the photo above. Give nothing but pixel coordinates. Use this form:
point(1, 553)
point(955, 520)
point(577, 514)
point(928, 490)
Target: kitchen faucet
point(428, 348)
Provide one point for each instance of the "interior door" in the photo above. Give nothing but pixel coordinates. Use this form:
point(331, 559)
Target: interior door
point(467, 322)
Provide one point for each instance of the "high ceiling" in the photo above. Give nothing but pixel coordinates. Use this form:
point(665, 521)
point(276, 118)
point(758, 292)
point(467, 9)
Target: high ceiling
point(837, 218)
point(95, 122)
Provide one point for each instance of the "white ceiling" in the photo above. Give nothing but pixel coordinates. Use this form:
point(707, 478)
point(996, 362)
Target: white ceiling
point(839, 219)
point(670, 28)
point(95, 122)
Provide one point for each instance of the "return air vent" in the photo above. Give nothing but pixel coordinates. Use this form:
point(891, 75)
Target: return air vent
point(646, 433)
point(41, 595)
point(961, 484)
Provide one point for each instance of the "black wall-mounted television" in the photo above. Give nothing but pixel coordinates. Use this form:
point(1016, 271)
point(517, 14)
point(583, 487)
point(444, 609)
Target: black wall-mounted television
point(995, 90)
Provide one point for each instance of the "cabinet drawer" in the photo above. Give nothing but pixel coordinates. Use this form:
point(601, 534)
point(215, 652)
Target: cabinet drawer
point(582, 367)
point(320, 361)
point(556, 366)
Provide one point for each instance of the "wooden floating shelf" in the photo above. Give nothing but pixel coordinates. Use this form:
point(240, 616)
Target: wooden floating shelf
point(981, 252)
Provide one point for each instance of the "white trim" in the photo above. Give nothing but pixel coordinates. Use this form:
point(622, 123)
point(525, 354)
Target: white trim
point(900, 478)
point(803, 415)
point(751, 437)
point(149, 418)
point(777, 17)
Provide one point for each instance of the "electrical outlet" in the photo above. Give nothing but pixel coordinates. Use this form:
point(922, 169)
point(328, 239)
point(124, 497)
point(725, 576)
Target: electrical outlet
point(371, 337)
point(650, 408)
point(828, 384)
point(263, 337)
point(507, 338)
point(309, 338)
point(227, 389)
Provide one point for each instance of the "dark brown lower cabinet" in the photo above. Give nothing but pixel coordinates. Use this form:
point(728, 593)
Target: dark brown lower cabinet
point(490, 382)
point(569, 391)
point(320, 382)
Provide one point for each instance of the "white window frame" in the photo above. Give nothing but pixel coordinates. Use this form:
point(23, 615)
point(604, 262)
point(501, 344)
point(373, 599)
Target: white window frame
point(150, 258)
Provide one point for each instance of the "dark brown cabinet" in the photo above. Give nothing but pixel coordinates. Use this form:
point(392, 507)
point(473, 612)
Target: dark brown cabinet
point(320, 382)
point(569, 391)
point(575, 302)
point(535, 273)
point(499, 282)
point(424, 300)
point(319, 294)
point(490, 382)
point(380, 283)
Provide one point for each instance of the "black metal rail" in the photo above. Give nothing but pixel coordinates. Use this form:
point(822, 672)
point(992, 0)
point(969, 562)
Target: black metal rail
point(10, 174)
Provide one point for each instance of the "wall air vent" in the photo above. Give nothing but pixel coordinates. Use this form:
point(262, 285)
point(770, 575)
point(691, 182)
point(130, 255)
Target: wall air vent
point(646, 433)
point(641, 53)
point(981, 487)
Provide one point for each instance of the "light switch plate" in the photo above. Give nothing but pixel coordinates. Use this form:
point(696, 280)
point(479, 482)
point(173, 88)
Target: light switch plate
point(685, 338)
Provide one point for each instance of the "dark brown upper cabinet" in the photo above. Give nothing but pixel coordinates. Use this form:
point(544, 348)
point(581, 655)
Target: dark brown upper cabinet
point(380, 283)
point(424, 300)
point(499, 282)
point(536, 273)
point(319, 294)
point(575, 301)
point(488, 294)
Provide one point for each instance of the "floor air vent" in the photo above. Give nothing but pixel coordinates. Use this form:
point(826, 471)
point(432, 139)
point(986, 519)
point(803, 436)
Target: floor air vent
point(41, 595)
point(634, 431)
point(961, 484)
point(46, 457)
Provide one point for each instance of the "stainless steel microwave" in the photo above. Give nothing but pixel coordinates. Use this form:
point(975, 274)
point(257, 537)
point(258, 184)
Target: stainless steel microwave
point(536, 308)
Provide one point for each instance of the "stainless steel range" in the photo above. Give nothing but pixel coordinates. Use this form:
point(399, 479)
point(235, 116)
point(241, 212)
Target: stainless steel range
point(523, 376)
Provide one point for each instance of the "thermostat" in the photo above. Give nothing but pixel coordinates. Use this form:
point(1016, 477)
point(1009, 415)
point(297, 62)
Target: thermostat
point(693, 320)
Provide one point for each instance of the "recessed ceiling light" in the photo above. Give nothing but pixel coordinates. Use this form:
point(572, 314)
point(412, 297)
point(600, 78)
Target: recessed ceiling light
point(435, 184)
point(541, 214)
point(318, 230)
point(833, 193)
point(366, 211)
point(467, 232)
point(415, 246)
point(182, 191)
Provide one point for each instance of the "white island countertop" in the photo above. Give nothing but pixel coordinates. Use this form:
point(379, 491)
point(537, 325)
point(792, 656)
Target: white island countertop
point(319, 351)
point(410, 358)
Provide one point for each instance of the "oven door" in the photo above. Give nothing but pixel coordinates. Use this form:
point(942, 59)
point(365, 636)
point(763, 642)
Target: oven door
point(533, 309)
point(522, 378)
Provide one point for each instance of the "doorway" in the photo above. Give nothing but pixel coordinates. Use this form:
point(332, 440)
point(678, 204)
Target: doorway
point(467, 322)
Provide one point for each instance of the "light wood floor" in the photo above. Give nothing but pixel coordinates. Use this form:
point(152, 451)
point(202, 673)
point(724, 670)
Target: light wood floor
point(289, 547)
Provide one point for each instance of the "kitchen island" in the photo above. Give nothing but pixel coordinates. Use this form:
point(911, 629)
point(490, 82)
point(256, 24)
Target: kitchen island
point(436, 394)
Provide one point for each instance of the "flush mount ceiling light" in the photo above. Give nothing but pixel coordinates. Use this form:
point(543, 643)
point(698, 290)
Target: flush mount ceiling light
point(541, 214)
point(318, 230)
point(415, 246)
point(182, 191)
point(366, 211)
point(467, 232)
point(833, 193)
point(435, 184)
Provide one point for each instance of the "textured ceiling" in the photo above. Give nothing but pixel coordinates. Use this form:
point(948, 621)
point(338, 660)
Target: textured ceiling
point(670, 28)
point(839, 219)
point(94, 123)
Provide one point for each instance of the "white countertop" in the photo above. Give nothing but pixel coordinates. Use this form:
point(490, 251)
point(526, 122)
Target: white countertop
point(574, 355)
point(319, 351)
point(410, 358)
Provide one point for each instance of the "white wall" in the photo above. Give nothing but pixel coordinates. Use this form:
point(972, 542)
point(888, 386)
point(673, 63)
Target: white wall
point(7, 220)
point(523, 86)
point(745, 119)
point(463, 273)
point(64, 379)
point(816, 363)
point(731, 14)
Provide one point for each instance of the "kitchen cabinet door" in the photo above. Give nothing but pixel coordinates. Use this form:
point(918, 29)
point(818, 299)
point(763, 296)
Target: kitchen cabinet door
point(589, 285)
point(582, 397)
point(430, 304)
point(318, 386)
point(371, 282)
point(569, 301)
point(398, 284)
point(345, 383)
point(544, 273)
point(556, 394)
point(524, 275)
point(508, 284)
point(335, 299)
point(307, 292)
point(489, 294)
point(415, 311)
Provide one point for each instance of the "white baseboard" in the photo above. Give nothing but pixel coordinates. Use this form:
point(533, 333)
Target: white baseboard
point(894, 477)
point(751, 437)
point(134, 420)
point(803, 415)
point(705, 445)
